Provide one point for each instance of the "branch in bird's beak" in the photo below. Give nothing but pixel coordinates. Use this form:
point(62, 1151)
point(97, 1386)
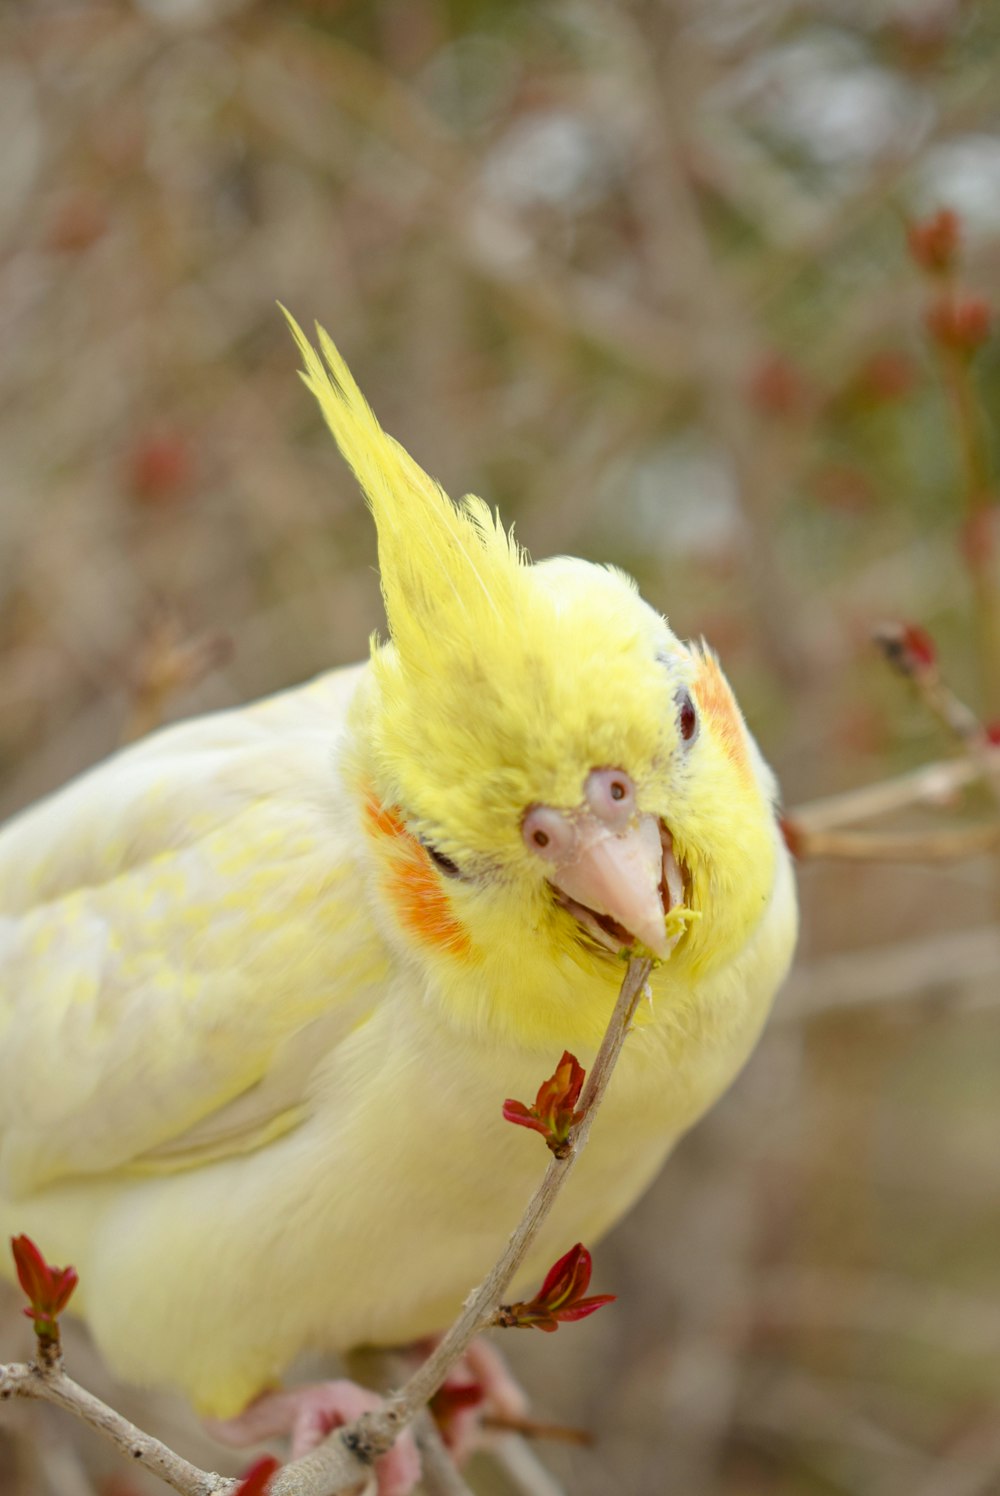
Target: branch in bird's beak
point(619, 877)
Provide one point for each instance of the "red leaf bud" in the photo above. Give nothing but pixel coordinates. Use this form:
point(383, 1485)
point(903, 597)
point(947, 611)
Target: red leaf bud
point(159, 467)
point(258, 1477)
point(560, 1298)
point(48, 1289)
point(959, 322)
point(887, 375)
point(908, 648)
point(554, 1111)
point(777, 387)
point(934, 241)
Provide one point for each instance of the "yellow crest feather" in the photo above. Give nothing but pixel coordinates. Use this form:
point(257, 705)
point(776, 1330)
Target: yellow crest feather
point(443, 567)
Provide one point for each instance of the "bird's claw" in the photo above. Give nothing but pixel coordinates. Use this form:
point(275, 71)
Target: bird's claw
point(307, 1415)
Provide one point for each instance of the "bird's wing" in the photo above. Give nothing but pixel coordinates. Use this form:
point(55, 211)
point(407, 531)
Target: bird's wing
point(181, 940)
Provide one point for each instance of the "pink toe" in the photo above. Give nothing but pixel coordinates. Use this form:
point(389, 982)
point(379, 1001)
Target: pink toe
point(399, 1470)
point(324, 1407)
point(309, 1415)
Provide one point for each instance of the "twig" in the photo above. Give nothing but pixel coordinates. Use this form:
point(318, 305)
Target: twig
point(51, 1384)
point(382, 1369)
point(534, 1428)
point(948, 845)
point(348, 1452)
point(343, 1463)
point(919, 666)
point(438, 1476)
point(932, 784)
point(524, 1469)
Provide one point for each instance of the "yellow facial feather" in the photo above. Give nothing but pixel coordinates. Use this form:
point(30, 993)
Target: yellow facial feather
point(504, 684)
point(499, 674)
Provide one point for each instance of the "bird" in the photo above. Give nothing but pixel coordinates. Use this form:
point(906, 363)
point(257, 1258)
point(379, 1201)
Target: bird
point(268, 975)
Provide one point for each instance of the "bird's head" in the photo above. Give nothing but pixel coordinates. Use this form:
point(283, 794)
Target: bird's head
point(543, 759)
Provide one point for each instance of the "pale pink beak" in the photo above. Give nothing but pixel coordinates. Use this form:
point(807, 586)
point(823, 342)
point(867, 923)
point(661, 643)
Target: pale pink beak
point(619, 875)
point(612, 868)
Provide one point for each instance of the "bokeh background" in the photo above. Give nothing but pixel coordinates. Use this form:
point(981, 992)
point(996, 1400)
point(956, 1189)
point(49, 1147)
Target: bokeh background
point(656, 279)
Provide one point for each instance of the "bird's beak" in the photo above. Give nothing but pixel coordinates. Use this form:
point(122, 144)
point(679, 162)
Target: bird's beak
point(620, 878)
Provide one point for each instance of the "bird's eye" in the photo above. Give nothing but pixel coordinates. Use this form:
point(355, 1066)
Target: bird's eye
point(449, 868)
point(687, 717)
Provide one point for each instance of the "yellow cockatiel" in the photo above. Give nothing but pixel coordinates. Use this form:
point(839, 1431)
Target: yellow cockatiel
point(267, 977)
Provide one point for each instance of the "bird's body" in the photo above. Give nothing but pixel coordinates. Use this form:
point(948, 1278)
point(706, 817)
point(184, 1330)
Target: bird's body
point(267, 978)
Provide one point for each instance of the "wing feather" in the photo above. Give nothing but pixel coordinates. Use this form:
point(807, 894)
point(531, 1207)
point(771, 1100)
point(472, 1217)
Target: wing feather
point(180, 938)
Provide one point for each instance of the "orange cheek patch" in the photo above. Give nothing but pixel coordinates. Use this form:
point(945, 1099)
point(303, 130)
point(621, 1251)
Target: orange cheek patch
point(411, 884)
point(718, 707)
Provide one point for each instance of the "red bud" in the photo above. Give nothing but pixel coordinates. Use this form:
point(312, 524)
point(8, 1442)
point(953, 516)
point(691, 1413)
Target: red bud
point(553, 1113)
point(47, 1288)
point(79, 220)
point(887, 375)
point(959, 322)
point(934, 242)
point(908, 648)
point(159, 468)
point(258, 1478)
point(778, 387)
point(560, 1298)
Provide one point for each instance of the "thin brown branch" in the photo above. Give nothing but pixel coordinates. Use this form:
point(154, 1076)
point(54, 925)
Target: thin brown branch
point(438, 1474)
point(534, 1428)
point(523, 1470)
point(933, 784)
point(948, 845)
point(938, 697)
point(344, 1462)
point(352, 1449)
point(51, 1384)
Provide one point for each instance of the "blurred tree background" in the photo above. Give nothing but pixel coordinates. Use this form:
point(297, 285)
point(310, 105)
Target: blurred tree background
point(664, 282)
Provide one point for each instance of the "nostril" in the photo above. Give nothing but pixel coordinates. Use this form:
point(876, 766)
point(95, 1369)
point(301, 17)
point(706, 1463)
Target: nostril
point(610, 794)
point(549, 833)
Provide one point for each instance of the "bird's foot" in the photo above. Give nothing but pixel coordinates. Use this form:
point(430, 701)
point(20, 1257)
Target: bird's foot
point(306, 1415)
point(479, 1387)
